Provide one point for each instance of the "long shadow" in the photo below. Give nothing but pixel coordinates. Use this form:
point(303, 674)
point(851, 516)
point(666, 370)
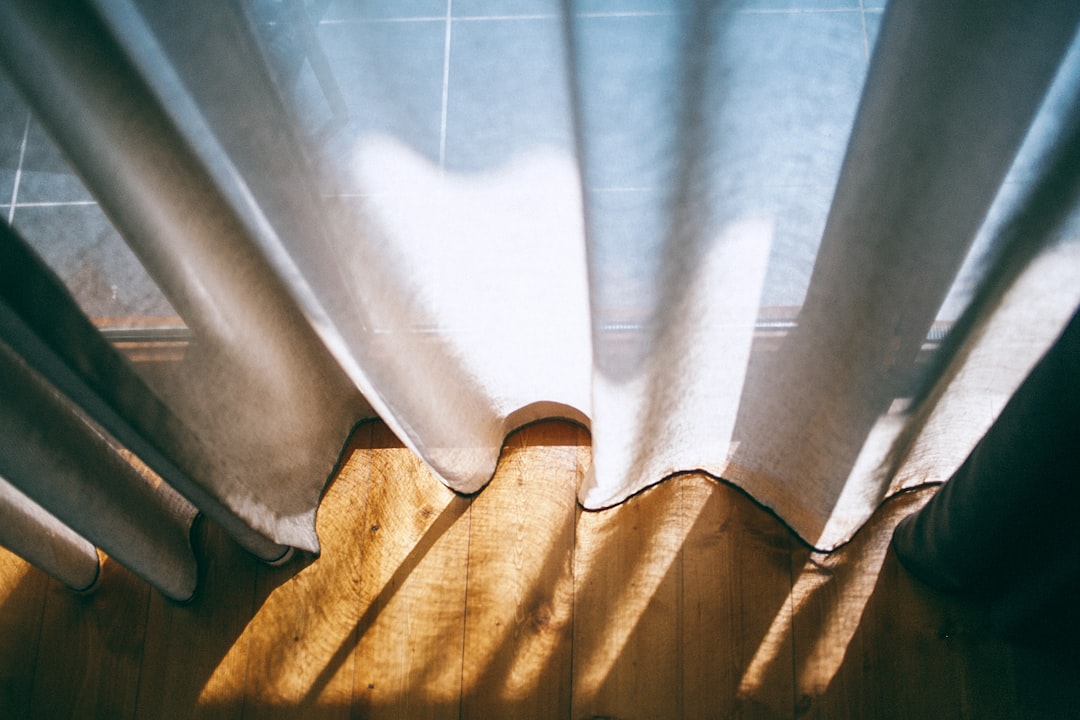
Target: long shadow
point(22, 612)
point(446, 519)
point(122, 646)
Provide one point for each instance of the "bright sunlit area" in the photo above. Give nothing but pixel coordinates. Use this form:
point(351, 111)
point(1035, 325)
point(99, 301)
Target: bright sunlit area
point(553, 257)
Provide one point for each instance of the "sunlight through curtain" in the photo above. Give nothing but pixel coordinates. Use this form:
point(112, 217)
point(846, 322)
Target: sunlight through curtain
point(810, 249)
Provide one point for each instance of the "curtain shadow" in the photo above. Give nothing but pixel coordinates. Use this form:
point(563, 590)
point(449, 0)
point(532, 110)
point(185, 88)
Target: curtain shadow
point(445, 520)
point(21, 612)
point(818, 631)
point(195, 648)
point(809, 411)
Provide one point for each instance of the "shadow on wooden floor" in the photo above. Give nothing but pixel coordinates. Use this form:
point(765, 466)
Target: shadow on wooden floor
point(687, 601)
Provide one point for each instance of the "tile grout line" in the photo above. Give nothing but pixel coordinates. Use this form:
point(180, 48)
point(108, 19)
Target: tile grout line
point(794, 11)
point(18, 170)
point(55, 203)
point(865, 35)
point(373, 21)
point(591, 15)
point(445, 83)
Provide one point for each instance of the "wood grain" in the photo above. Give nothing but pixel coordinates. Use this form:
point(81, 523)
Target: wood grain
point(195, 655)
point(870, 641)
point(301, 641)
point(519, 601)
point(628, 607)
point(687, 601)
point(90, 654)
point(736, 588)
point(411, 613)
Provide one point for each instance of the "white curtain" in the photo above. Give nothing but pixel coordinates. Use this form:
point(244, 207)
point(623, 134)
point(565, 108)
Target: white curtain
point(810, 250)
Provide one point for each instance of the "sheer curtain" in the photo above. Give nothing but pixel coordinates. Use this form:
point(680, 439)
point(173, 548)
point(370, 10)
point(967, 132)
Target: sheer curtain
point(809, 249)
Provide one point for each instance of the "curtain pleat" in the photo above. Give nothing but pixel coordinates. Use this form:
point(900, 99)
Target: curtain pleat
point(1001, 526)
point(258, 410)
point(33, 533)
point(60, 460)
point(726, 238)
point(927, 155)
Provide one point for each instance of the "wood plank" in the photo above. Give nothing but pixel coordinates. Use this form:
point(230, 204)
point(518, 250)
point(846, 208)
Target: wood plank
point(195, 657)
point(628, 607)
point(22, 604)
point(736, 590)
point(300, 659)
point(408, 658)
point(519, 606)
point(871, 641)
point(427, 604)
point(91, 646)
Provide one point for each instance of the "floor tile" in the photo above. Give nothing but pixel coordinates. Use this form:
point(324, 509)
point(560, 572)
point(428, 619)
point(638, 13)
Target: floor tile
point(12, 125)
point(46, 175)
point(626, 6)
point(508, 92)
point(506, 8)
point(79, 243)
point(391, 77)
point(383, 9)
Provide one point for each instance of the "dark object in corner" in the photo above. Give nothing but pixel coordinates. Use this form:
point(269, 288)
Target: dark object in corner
point(1004, 528)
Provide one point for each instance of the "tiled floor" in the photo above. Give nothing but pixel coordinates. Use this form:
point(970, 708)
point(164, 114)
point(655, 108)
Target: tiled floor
point(472, 86)
point(52, 209)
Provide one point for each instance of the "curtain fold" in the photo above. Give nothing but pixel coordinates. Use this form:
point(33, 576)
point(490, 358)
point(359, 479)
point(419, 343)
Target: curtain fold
point(1001, 526)
point(810, 253)
point(257, 410)
point(926, 157)
point(35, 534)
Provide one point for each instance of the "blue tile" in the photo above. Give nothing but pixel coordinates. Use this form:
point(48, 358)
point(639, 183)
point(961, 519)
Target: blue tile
point(626, 6)
point(627, 70)
point(508, 92)
point(12, 124)
point(627, 232)
point(773, 103)
point(798, 213)
point(46, 174)
point(873, 26)
point(390, 75)
point(1051, 121)
point(384, 9)
point(506, 8)
point(780, 5)
point(80, 244)
point(783, 95)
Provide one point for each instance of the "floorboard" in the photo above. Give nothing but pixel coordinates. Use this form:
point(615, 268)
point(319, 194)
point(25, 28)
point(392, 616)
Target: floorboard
point(194, 660)
point(736, 588)
point(519, 601)
point(22, 605)
point(408, 656)
point(689, 600)
point(628, 607)
point(300, 657)
point(91, 648)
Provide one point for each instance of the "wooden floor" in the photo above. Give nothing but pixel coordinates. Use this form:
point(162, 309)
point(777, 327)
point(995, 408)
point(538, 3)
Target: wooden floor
point(687, 601)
